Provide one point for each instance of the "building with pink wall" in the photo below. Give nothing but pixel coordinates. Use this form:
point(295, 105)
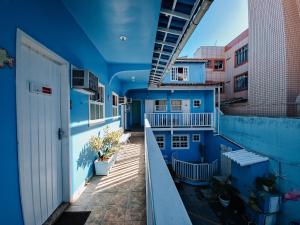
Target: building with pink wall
point(233, 74)
point(261, 72)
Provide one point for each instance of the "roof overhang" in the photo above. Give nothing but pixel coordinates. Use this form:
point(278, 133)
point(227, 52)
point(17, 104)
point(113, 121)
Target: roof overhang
point(177, 21)
point(182, 88)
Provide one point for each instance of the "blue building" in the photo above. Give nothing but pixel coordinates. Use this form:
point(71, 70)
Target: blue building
point(70, 69)
point(181, 111)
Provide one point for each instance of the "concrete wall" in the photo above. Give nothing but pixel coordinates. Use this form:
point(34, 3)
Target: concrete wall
point(277, 138)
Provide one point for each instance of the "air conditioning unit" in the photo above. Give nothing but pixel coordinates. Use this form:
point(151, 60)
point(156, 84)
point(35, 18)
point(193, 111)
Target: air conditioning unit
point(122, 100)
point(84, 81)
point(129, 100)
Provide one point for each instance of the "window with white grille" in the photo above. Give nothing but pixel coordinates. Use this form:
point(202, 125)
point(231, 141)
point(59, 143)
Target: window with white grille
point(180, 73)
point(160, 139)
point(160, 106)
point(97, 105)
point(180, 142)
point(176, 105)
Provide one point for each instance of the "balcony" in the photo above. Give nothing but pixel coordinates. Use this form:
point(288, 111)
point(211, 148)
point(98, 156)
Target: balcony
point(160, 188)
point(181, 121)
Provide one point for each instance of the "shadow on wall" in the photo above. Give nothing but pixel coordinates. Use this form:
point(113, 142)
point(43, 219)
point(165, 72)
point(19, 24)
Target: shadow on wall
point(86, 158)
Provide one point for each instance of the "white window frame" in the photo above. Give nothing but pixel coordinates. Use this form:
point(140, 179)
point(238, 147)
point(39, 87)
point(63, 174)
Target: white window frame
point(113, 106)
point(100, 120)
point(166, 106)
point(180, 135)
point(175, 110)
point(194, 135)
point(174, 73)
point(163, 142)
point(200, 102)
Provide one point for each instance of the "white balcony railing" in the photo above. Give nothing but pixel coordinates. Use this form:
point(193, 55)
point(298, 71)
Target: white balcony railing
point(180, 120)
point(160, 188)
point(194, 171)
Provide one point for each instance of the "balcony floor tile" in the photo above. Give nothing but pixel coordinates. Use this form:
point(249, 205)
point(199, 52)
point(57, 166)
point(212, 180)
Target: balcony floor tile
point(118, 198)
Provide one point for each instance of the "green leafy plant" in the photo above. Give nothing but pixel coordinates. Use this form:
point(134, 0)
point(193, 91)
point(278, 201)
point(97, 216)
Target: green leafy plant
point(267, 183)
point(107, 145)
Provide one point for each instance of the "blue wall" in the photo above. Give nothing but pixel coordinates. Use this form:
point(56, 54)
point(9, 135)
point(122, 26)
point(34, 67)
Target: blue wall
point(192, 154)
point(60, 33)
point(206, 97)
point(212, 144)
point(277, 138)
point(196, 73)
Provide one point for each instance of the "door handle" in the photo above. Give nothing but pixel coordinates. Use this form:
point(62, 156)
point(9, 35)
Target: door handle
point(61, 134)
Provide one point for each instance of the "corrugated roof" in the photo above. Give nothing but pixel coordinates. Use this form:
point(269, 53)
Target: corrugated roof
point(245, 158)
point(186, 84)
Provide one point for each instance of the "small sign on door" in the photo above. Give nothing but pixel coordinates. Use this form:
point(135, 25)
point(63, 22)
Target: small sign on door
point(39, 89)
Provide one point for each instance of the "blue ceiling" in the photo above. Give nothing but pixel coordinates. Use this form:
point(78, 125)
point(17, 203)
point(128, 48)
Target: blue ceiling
point(153, 29)
point(104, 21)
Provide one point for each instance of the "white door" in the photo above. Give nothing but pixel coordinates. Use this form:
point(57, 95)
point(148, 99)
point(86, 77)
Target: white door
point(149, 106)
point(186, 111)
point(186, 106)
point(40, 149)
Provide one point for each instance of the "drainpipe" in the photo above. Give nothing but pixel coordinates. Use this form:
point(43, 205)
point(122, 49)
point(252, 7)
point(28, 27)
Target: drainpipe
point(219, 109)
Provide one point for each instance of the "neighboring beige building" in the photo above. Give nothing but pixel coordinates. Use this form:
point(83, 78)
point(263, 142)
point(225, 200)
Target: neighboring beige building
point(233, 74)
point(215, 66)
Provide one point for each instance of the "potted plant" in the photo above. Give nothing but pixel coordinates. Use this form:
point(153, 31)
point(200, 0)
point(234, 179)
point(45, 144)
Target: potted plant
point(266, 183)
point(225, 191)
point(226, 194)
point(106, 148)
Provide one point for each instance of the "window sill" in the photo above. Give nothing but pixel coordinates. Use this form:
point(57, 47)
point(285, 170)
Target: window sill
point(238, 65)
point(116, 117)
point(180, 148)
point(235, 91)
point(96, 122)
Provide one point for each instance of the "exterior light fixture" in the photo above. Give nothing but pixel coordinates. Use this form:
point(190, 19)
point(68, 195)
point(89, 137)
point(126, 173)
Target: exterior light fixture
point(133, 78)
point(123, 38)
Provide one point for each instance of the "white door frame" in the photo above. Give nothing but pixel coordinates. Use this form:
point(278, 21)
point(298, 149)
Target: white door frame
point(24, 39)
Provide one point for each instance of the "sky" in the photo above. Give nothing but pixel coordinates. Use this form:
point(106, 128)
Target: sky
point(224, 20)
